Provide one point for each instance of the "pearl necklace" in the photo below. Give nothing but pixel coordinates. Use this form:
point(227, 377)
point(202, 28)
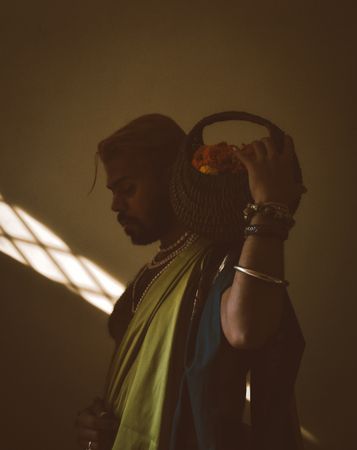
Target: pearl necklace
point(134, 308)
point(154, 263)
point(170, 247)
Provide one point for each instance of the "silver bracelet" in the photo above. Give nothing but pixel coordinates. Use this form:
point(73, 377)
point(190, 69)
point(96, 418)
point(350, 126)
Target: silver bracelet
point(262, 276)
point(276, 211)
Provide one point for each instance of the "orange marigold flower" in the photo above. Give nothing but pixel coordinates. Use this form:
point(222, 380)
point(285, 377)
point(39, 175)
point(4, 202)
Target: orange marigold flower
point(218, 158)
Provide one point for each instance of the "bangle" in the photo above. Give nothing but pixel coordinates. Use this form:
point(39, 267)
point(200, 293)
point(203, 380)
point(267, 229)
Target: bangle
point(277, 211)
point(262, 276)
point(278, 230)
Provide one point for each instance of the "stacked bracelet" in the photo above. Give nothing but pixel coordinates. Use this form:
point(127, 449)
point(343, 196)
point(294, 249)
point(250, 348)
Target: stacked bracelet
point(277, 211)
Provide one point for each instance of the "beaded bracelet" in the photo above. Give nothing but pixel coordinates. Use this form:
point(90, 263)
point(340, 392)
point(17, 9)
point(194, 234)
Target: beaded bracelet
point(273, 210)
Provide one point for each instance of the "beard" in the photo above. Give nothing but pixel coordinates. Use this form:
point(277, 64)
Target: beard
point(159, 221)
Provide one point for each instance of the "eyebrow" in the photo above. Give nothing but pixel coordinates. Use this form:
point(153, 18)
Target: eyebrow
point(118, 181)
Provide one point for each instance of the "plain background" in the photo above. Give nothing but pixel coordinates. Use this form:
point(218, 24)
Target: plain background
point(73, 72)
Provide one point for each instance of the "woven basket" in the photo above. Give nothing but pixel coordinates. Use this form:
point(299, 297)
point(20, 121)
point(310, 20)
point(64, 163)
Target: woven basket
point(212, 205)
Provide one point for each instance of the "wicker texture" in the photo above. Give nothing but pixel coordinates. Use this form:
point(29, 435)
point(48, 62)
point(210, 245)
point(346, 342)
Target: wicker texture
point(212, 205)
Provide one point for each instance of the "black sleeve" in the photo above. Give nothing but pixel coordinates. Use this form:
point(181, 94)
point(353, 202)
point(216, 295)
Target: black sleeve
point(119, 318)
point(273, 374)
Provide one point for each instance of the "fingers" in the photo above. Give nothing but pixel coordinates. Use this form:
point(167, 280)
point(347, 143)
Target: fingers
point(289, 147)
point(288, 142)
point(95, 425)
point(85, 434)
point(88, 420)
point(260, 150)
point(265, 148)
point(97, 406)
point(82, 443)
point(271, 151)
point(106, 424)
point(245, 155)
point(257, 151)
point(94, 445)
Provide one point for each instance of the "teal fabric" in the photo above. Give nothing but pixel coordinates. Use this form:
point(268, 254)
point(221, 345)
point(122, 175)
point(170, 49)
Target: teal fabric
point(213, 386)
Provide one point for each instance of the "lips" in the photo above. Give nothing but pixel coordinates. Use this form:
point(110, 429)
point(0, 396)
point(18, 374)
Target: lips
point(125, 222)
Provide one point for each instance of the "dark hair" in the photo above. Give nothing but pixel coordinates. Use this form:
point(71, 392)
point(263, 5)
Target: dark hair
point(155, 138)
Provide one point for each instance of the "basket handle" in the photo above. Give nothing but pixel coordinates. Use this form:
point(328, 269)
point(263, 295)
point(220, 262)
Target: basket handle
point(195, 135)
point(194, 138)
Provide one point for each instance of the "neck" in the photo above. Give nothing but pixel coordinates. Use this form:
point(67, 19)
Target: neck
point(174, 233)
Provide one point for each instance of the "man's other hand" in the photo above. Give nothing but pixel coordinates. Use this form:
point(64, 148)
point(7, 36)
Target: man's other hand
point(96, 426)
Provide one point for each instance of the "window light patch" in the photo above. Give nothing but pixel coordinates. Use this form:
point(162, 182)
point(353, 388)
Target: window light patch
point(12, 225)
point(73, 269)
point(42, 233)
point(97, 300)
point(7, 247)
point(40, 261)
point(111, 286)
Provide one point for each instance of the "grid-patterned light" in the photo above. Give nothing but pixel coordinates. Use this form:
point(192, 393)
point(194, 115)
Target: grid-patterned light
point(7, 247)
point(30, 242)
point(42, 233)
point(12, 226)
point(40, 261)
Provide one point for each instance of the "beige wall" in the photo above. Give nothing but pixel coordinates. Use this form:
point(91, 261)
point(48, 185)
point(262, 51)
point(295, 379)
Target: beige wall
point(54, 352)
point(72, 74)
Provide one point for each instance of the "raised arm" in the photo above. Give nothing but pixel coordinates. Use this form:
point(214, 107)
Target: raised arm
point(251, 308)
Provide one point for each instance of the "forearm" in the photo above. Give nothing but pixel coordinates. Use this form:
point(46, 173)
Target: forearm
point(251, 308)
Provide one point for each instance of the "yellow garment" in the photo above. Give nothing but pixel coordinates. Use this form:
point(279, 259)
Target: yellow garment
point(140, 370)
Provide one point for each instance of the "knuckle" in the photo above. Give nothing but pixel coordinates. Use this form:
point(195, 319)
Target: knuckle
point(266, 139)
point(95, 435)
point(289, 140)
point(82, 443)
point(258, 144)
point(91, 421)
point(83, 433)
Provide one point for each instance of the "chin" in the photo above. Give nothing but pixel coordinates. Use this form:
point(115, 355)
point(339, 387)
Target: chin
point(145, 235)
point(142, 239)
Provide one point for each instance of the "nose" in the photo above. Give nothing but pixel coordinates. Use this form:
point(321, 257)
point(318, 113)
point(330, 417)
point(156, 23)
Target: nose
point(119, 204)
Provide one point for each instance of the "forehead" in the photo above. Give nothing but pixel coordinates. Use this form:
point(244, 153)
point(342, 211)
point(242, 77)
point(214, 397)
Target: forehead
point(122, 166)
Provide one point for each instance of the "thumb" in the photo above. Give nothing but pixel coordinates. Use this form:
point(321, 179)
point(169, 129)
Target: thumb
point(244, 154)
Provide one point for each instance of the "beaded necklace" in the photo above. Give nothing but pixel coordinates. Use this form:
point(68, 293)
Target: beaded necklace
point(157, 263)
point(170, 247)
point(192, 238)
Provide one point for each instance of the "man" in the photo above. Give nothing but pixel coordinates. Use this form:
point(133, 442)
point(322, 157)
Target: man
point(148, 401)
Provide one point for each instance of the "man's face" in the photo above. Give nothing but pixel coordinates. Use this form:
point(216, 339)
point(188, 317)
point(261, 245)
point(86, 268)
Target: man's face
point(140, 199)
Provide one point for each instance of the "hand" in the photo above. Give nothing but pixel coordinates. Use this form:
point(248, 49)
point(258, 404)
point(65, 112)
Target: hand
point(95, 425)
point(271, 175)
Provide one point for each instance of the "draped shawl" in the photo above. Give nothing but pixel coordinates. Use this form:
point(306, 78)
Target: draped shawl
point(142, 372)
point(176, 383)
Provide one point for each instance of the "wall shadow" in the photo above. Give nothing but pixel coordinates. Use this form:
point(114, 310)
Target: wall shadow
point(55, 350)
